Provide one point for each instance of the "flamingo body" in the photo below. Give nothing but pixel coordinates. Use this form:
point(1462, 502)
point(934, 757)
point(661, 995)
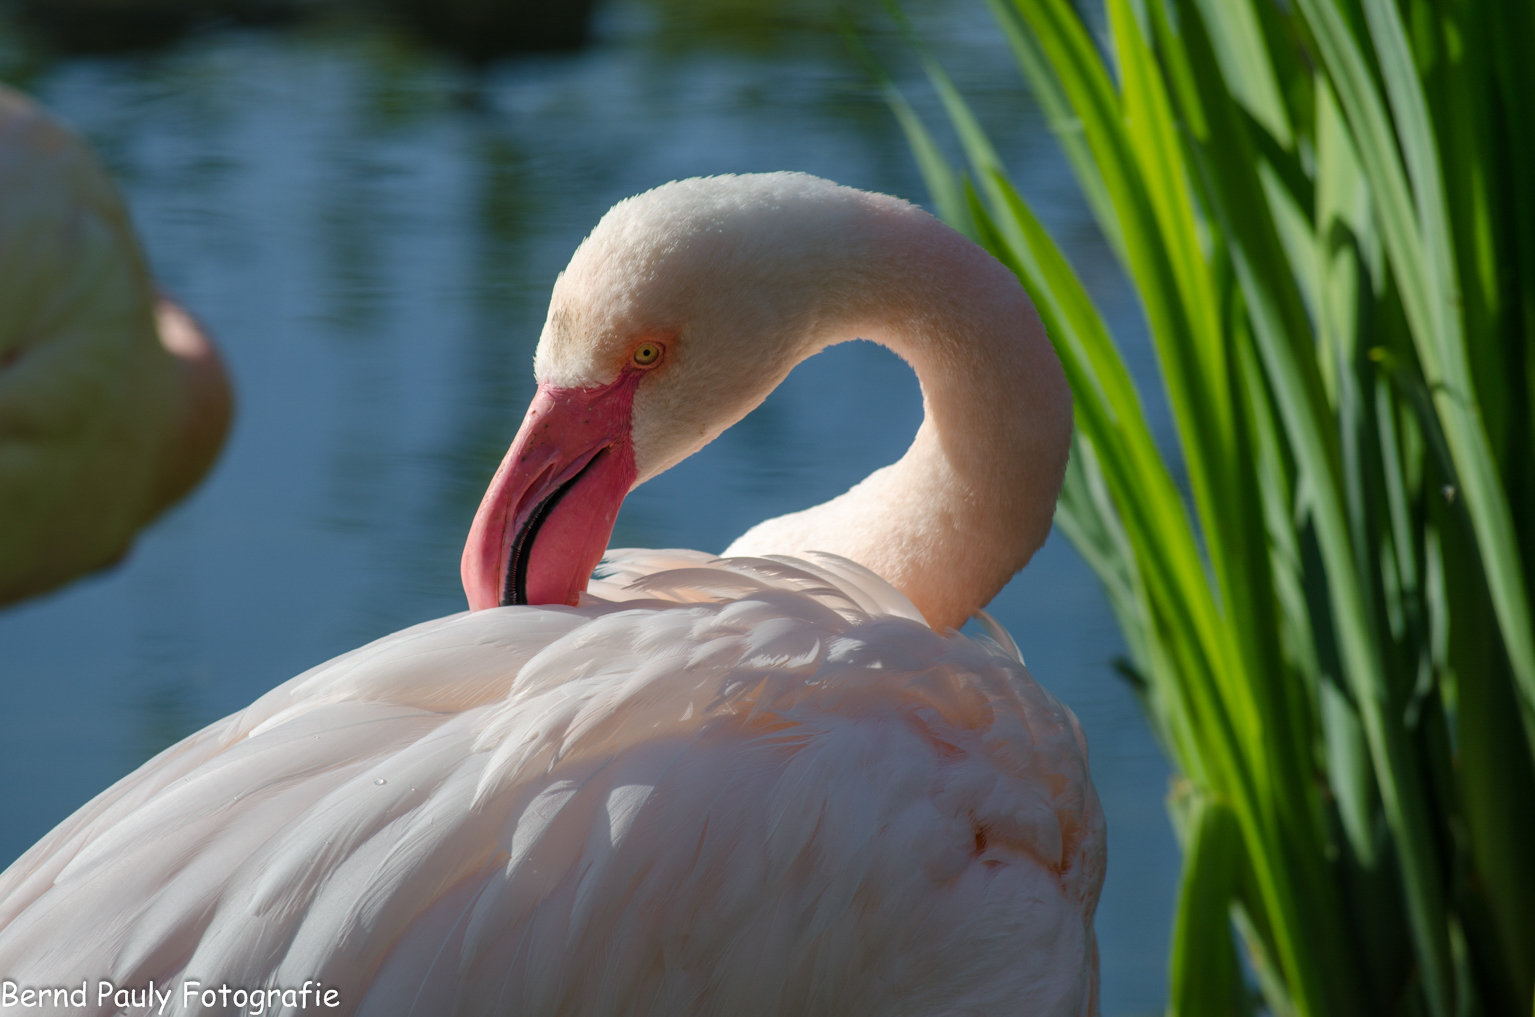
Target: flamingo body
point(746, 787)
point(113, 402)
point(752, 785)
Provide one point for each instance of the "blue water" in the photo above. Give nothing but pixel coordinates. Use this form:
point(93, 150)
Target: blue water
point(371, 234)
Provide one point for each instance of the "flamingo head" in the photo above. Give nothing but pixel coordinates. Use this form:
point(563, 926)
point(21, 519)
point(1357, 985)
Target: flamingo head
point(685, 307)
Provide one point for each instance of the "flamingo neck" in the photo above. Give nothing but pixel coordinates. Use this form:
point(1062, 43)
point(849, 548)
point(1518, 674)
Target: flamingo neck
point(972, 499)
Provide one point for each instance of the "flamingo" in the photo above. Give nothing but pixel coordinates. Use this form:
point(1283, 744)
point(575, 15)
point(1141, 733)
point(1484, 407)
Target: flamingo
point(774, 782)
point(113, 403)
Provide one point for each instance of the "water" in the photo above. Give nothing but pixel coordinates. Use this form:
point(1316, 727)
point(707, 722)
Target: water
point(371, 233)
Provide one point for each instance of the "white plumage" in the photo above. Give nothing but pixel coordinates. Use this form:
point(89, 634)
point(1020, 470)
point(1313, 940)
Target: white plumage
point(743, 786)
point(756, 787)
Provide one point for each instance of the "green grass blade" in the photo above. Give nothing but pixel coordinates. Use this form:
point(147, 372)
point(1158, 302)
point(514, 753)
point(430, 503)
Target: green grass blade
point(1245, 63)
point(1417, 241)
point(1205, 975)
point(1063, 120)
point(1276, 319)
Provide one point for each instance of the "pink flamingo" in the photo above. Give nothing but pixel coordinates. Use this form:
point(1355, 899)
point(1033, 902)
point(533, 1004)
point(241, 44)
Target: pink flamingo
point(113, 403)
point(776, 782)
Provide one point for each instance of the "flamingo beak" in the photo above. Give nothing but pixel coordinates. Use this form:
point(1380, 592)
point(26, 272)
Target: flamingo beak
point(547, 516)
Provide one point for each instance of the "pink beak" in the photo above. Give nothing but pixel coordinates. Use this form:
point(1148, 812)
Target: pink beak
point(547, 516)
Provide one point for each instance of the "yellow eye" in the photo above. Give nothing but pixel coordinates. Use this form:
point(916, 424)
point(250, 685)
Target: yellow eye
point(647, 354)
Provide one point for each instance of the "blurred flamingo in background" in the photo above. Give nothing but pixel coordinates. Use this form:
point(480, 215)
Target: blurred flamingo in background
point(113, 403)
point(777, 782)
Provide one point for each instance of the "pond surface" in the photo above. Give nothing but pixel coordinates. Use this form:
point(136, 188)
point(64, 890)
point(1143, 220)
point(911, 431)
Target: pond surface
point(371, 232)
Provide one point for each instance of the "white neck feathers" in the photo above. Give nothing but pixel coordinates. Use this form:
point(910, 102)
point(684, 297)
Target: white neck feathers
point(972, 499)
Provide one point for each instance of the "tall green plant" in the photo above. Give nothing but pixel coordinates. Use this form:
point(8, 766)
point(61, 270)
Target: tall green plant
point(1328, 210)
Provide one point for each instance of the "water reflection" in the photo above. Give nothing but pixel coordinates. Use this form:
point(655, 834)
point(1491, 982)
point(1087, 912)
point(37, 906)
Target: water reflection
point(112, 26)
point(376, 255)
point(481, 30)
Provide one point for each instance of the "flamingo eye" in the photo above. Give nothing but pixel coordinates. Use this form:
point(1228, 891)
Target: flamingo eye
point(647, 354)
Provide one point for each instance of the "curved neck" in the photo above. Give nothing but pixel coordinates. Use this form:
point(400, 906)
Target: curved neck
point(971, 501)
